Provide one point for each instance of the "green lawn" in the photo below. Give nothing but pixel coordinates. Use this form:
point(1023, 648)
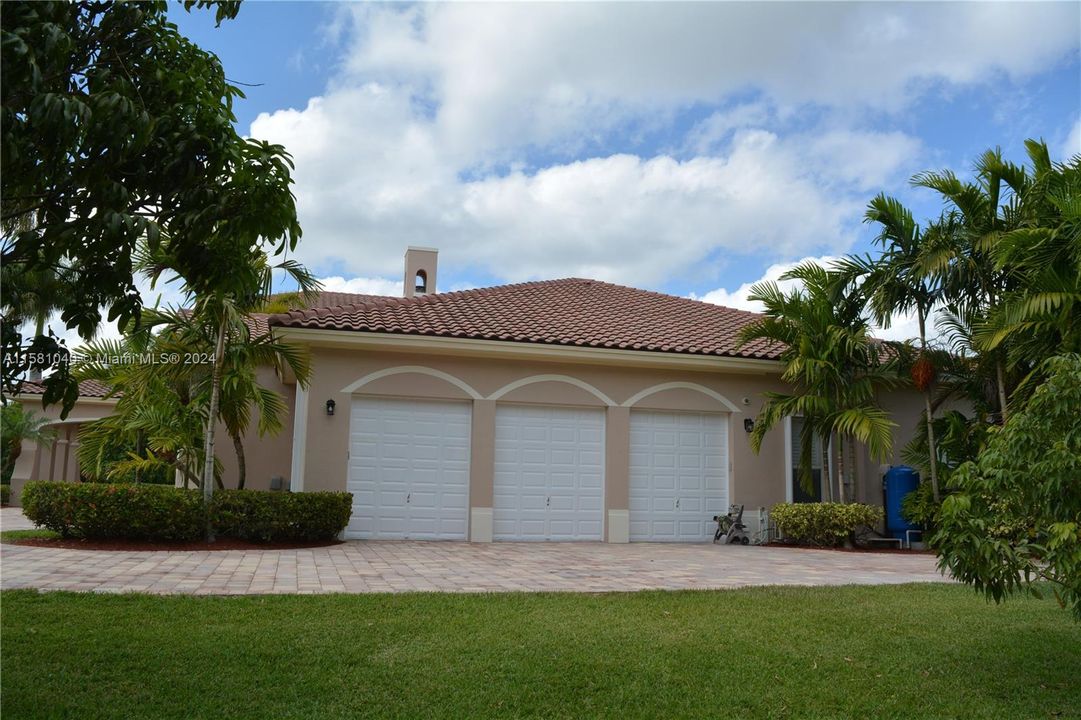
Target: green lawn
point(9, 535)
point(914, 651)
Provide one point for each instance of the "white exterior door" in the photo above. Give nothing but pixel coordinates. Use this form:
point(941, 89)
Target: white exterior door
point(549, 473)
point(409, 469)
point(679, 475)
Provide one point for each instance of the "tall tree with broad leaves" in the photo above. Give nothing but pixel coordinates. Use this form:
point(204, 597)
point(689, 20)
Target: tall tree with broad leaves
point(117, 130)
point(834, 366)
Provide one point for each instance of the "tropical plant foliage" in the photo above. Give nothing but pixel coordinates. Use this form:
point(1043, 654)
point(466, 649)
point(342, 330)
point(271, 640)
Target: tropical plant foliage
point(117, 131)
point(1000, 272)
point(833, 365)
point(166, 409)
point(160, 407)
point(18, 424)
point(1016, 514)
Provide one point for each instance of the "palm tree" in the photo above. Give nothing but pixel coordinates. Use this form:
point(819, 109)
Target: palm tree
point(1042, 315)
point(832, 363)
point(160, 409)
point(17, 424)
point(246, 351)
point(963, 263)
point(895, 283)
point(223, 309)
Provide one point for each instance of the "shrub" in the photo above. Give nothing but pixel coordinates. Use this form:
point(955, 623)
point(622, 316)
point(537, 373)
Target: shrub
point(126, 512)
point(5, 494)
point(823, 523)
point(920, 508)
point(1015, 519)
point(261, 516)
point(156, 513)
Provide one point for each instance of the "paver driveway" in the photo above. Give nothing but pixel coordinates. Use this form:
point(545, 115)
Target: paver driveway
point(357, 567)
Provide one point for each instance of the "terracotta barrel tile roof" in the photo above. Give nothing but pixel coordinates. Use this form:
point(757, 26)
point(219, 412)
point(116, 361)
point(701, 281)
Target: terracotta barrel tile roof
point(571, 311)
point(87, 388)
point(257, 322)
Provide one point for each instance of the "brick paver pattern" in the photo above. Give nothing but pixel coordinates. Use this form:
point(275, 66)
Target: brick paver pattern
point(363, 567)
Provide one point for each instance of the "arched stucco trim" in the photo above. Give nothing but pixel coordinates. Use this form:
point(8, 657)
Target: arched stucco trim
point(420, 370)
point(510, 387)
point(637, 397)
point(71, 421)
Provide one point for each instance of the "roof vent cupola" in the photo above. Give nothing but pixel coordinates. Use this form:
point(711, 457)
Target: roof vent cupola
point(420, 267)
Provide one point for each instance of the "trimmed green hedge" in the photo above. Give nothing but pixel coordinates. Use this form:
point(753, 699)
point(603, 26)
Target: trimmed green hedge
point(827, 524)
point(273, 517)
point(156, 513)
point(5, 494)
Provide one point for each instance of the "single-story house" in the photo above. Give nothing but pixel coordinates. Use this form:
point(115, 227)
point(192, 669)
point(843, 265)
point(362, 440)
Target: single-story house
point(567, 409)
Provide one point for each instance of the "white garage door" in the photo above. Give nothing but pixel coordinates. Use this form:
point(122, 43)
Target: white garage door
point(409, 469)
point(549, 473)
point(679, 475)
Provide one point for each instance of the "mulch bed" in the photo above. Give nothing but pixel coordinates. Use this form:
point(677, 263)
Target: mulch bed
point(876, 550)
point(143, 546)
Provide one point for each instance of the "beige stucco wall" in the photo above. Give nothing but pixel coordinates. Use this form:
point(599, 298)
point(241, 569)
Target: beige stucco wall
point(755, 480)
point(55, 460)
point(906, 407)
point(265, 456)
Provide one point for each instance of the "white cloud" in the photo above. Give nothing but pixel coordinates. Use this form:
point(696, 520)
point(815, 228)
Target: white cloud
point(363, 285)
point(902, 327)
point(740, 297)
point(372, 178)
point(500, 76)
point(487, 131)
point(1072, 146)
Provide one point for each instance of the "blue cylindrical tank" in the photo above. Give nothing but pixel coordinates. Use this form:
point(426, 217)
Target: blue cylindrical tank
point(896, 483)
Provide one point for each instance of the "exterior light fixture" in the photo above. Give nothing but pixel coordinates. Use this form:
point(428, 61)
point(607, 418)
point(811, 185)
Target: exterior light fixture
point(330, 406)
point(748, 424)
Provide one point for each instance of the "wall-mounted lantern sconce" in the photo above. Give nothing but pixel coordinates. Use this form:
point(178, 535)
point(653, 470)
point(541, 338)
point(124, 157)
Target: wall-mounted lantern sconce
point(748, 424)
point(330, 406)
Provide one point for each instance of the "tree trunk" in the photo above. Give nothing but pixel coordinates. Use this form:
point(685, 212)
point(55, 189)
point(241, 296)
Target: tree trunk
point(1001, 382)
point(841, 468)
point(932, 453)
point(852, 468)
point(208, 461)
point(39, 329)
point(825, 482)
point(241, 464)
point(140, 446)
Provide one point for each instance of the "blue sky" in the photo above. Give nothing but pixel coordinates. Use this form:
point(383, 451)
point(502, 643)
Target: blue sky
point(692, 149)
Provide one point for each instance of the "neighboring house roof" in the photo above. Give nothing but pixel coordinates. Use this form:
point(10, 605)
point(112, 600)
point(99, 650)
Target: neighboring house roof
point(87, 388)
point(571, 311)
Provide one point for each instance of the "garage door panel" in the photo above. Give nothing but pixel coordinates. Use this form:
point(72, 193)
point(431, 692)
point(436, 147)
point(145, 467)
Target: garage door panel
point(592, 482)
point(678, 476)
point(591, 504)
point(549, 474)
point(689, 484)
point(691, 504)
point(409, 469)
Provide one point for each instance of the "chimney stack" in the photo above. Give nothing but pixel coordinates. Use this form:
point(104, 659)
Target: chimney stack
point(420, 267)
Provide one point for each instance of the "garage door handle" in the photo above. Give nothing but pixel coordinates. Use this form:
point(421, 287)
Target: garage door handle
point(408, 496)
point(677, 503)
point(548, 502)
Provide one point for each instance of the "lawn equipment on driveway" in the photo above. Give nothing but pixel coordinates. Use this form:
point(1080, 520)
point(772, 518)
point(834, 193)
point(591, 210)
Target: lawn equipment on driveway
point(731, 527)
